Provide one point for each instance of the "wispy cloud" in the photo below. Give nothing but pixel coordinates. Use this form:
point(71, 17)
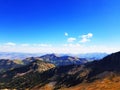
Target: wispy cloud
point(25, 45)
point(86, 38)
point(42, 45)
point(66, 34)
point(71, 39)
point(10, 44)
point(71, 48)
point(72, 45)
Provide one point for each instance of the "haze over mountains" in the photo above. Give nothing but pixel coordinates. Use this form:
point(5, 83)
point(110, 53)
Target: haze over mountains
point(13, 60)
point(13, 55)
point(7, 64)
point(102, 74)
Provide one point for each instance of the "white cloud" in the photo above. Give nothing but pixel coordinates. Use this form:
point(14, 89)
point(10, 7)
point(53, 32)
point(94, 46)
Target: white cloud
point(64, 49)
point(71, 39)
point(66, 34)
point(90, 35)
point(10, 44)
point(72, 45)
point(86, 38)
point(42, 45)
point(24, 45)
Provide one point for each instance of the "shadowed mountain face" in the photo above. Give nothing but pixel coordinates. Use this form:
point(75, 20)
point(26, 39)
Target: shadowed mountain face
point(6, 64)
point(35, 66)
point(96, 75)
point(93, 56)
point(14, 78)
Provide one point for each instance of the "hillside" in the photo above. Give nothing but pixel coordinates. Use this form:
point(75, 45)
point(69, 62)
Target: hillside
point(15, 77)
point(96, 75)
point(6, 64)
point(62, 60)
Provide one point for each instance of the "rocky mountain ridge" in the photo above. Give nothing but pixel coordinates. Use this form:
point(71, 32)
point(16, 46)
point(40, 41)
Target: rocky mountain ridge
point(67, 77)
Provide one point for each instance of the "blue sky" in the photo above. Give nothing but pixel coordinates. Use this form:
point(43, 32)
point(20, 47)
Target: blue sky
point(56, 26)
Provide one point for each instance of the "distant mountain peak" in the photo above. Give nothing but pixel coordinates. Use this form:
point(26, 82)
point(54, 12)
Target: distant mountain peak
point(51, 55)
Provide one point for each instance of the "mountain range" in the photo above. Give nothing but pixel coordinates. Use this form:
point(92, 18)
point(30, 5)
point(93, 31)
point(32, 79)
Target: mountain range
point(14, 55)
point(101, 74)
point(7, 64)
point(62, 60)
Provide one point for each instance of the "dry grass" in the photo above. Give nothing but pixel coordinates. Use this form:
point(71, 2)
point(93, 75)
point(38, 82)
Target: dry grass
point(105, 84)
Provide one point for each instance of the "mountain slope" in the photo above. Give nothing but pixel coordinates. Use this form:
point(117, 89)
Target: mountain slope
point(62, 60)
point(96, 75)
point(93, 56)
point(80, 76)
point(14, 78)
point(6, 64)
